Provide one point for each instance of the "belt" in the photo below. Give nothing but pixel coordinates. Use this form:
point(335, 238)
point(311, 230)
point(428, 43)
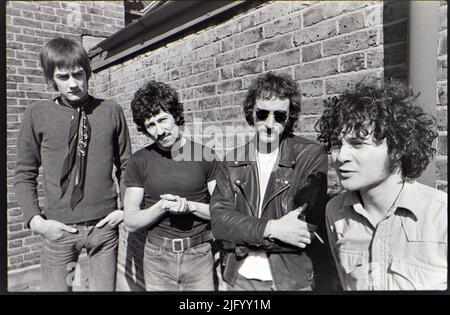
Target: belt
point(177, 245)
point(85, 224)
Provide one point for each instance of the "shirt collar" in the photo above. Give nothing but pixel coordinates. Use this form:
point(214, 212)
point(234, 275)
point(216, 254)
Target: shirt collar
point(353, 200)
point(287, 156)
point(409, 199)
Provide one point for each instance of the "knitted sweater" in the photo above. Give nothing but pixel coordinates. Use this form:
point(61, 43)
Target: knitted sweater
point(43, 141)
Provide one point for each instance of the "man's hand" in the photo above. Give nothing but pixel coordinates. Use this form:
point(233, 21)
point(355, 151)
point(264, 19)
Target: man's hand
point(290, 229)
point(175, 204)
point(113, 219)
point(50, 229)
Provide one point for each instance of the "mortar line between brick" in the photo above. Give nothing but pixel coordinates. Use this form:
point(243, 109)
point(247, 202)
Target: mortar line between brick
point(338, 36)
point(338, 75)
point(302, 11)
point(339, 16)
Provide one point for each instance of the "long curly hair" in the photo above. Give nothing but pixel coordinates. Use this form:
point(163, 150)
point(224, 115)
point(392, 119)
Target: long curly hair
point(268, 85)
point(153, 98)
point(391, 112)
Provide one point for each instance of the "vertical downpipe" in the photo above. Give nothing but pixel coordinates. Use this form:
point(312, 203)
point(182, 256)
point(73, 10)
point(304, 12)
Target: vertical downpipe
point(423, 27)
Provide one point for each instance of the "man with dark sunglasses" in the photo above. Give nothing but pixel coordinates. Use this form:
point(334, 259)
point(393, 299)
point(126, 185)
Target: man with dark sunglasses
point(266, 193)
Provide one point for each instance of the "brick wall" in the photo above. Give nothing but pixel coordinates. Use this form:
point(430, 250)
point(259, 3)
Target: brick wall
point(441, 162)
point(29, 24)
point(326, 47)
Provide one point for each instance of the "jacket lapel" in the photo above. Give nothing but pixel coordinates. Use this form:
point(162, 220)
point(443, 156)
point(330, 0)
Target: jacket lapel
point(277, 182)
point(248, 181)
point(246, 175)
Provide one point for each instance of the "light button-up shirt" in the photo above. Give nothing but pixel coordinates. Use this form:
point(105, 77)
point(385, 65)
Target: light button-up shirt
point(406, 250)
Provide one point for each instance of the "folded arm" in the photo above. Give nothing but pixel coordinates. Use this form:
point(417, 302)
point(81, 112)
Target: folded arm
point(228, 224)
point(135, 218)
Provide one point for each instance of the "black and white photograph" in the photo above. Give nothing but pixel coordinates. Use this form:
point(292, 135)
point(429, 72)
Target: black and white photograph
point(213, 146)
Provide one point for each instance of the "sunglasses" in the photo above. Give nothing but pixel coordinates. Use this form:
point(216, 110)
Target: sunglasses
point(279, 115)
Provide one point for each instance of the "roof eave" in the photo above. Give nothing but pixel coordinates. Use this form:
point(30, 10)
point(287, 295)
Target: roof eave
point(156, 26)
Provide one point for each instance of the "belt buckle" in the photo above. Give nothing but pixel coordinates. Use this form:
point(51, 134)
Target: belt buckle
point(177, 245)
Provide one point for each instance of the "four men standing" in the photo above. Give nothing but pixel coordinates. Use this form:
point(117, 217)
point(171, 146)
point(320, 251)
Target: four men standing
point(386, 231)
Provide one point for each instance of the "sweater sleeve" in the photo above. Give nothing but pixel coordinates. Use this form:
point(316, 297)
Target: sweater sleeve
point(27, 168)
point(122, 151)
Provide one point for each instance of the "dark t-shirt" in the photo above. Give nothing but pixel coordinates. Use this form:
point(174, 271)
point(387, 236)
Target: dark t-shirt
point(186, 175)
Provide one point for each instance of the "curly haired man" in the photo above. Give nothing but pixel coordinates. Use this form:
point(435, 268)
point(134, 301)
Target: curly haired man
point(386, 230)
point(168, 191)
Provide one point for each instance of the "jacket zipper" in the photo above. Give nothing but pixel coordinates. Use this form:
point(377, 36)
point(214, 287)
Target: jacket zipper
point(276, 194)
point(270, 264)
point(249, 205)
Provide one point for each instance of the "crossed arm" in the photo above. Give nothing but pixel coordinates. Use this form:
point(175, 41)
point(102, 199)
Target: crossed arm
point(234, 227)
point(136, 219)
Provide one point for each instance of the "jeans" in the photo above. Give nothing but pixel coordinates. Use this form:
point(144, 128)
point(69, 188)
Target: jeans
point(244, 284)
point(189, 270)
point(59, 258)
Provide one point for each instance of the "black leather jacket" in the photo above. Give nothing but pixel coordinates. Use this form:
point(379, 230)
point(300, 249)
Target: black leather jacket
point(234, 206)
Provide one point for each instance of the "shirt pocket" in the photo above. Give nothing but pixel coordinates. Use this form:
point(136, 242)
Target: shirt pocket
point(433, 231)
point(355, 265)
point(407, 275)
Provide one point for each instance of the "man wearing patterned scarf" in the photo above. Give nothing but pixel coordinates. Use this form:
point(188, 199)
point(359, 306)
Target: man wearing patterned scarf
point(77, 140)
